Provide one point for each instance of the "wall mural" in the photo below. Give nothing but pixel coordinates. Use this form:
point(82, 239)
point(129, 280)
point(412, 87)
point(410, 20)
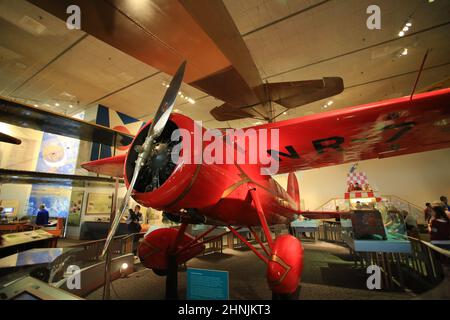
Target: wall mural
point(58, 154)
point(55, 199)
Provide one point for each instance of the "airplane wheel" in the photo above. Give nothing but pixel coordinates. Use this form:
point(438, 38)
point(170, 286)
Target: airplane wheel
point(160, 272)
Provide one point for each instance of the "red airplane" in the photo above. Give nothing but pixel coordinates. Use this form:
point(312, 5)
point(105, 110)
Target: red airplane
point(162, 33)
point(238, 195)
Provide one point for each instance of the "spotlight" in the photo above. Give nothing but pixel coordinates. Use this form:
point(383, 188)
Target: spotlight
point(123, 269)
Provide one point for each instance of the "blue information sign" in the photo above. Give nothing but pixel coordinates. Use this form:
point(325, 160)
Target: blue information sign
point(205, 284)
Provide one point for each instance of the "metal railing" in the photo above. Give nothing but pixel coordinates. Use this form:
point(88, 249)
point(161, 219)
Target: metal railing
point(330, 231)
point(422, 268)
point(89, 253)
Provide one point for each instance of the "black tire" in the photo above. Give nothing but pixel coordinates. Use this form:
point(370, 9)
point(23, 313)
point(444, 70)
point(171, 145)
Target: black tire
point(160, 272)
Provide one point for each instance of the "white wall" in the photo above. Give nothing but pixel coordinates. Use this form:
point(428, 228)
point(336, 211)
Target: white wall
point(417, 178)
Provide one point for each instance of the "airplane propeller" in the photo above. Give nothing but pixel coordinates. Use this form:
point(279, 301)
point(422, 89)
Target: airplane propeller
point(147, 148)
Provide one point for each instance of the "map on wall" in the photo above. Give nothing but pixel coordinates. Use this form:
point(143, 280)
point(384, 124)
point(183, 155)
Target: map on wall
point(58, 154)
point(99, 203)
point(76, 203)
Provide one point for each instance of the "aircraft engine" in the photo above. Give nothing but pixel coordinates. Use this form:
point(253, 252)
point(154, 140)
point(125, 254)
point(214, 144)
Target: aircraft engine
point(169, 185)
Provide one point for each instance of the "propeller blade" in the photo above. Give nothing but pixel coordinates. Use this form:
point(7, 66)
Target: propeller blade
point(144, 152)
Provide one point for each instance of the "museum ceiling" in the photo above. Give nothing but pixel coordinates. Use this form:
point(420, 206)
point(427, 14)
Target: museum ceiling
point(45, 64)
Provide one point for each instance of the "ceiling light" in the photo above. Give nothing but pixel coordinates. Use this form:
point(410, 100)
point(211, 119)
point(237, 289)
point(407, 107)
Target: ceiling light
point(430, 1)
point(330, 102)
point(325, 106)
point(405, 29)
point(401, 34)
point(179, 93)
point(285, 113)
point(258, 123)
point(405, 52)
point(191, 101)
point(408, 24)
point(167, 85)
point(177, 110)
point(70, 106)
point(36, 105)
point(57, 104)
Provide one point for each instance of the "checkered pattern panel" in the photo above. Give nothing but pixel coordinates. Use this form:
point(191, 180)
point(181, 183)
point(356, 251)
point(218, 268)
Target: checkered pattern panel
point(357, 177)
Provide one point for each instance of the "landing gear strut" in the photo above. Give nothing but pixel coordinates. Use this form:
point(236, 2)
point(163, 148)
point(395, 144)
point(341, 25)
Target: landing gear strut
point(172, 278)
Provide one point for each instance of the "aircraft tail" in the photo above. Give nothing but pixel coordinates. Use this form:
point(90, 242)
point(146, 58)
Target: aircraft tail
point(293, 189)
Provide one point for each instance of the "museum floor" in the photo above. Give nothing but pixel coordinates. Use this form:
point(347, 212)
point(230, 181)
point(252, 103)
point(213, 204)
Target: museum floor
point(328, 274)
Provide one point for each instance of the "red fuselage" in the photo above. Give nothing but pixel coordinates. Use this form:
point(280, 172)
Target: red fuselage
point(218, 191)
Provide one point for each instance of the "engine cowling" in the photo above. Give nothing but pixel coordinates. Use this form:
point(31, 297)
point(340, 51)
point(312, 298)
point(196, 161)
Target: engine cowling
point(171, 186)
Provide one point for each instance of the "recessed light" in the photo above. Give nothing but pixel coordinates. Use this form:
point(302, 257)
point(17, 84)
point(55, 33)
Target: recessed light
point(57, 104)
point(258, 123)
point(401, 34)
point(325, 106)
point(285, 113)
point(36, 105)
point(405, 29)
point(191, 101)
point(330, 102)
point(408, 24)
point(405, 52)
point(70, 106)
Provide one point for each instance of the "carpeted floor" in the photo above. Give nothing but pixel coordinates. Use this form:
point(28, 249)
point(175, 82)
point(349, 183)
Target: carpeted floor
point(328, 274)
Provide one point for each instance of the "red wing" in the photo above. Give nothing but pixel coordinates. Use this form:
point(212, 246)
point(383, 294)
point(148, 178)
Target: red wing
point(376, 130)
point(112, 166)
